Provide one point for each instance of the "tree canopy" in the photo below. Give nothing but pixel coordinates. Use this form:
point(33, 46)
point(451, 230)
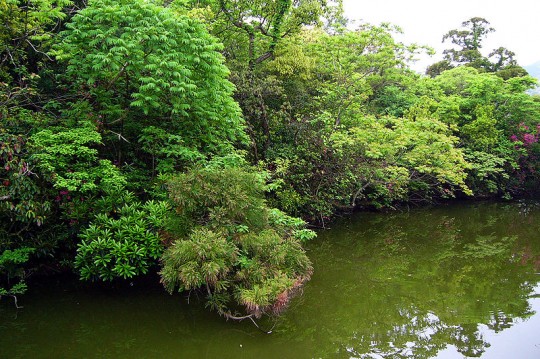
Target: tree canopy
point(468, 43)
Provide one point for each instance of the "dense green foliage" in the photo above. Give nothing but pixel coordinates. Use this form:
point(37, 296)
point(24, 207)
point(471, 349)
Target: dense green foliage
point(125, 246)
point(227, 240)
point(140, 64)
point(134, 131)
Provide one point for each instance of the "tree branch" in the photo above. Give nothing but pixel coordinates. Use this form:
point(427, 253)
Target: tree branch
point(228, 315)
point(36, 50)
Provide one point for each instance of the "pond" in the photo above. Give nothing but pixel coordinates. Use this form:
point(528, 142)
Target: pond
point(454, 281)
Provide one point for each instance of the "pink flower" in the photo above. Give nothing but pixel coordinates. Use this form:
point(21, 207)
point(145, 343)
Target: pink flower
point(528, 139)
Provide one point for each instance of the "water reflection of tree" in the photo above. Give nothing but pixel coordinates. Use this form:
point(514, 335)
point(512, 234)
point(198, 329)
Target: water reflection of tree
point(411, 284)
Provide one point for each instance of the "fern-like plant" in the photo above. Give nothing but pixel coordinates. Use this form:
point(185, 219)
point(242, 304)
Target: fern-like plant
point(231, 246)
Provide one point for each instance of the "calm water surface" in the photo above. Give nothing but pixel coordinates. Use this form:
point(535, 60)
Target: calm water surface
point(450, 282)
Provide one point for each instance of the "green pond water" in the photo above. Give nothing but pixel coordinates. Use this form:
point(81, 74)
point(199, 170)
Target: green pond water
point(460, 280)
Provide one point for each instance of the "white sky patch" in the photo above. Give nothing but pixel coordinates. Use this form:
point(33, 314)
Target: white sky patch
point(516, 23)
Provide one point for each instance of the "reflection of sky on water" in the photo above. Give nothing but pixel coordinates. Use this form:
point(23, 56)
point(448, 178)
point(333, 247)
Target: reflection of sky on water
point(522, 340)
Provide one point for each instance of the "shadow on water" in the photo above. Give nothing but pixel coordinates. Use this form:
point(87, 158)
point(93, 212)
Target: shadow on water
point(405, 285)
